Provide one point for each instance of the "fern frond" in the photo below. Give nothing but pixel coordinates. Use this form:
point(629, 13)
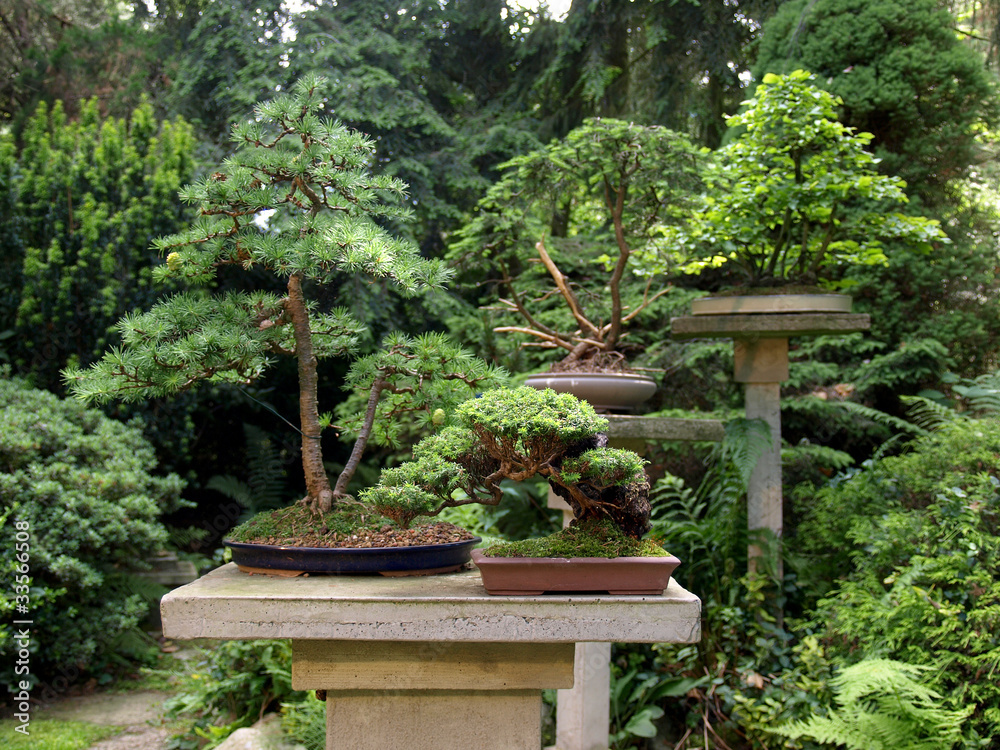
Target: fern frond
point(265, 473)
point(746, 440)
point(881, 676)
point(231, 487)
point(880, 417)
point(983, 396)
point(882, 704)
point(928, 414)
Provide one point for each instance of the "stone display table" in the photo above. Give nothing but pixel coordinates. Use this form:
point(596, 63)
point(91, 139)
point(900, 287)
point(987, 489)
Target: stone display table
point(425, 662)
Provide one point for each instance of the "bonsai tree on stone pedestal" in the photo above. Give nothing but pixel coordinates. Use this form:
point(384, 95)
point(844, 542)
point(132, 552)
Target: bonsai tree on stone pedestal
point(794, 198)
point(518, 434)
point(561, 230)
point(296, 203)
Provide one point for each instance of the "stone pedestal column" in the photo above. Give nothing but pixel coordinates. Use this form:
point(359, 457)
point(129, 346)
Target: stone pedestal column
point(449, 696)
point(760, 357)
point(583, 711)
point(762, 365)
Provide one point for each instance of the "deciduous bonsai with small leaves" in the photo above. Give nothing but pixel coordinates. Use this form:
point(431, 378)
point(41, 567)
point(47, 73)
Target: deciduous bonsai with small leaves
point(796, 197)
point(517, 434)
point(296, 202)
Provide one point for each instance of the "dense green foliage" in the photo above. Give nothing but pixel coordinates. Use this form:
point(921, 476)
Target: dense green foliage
point(884, 704)
point(450, 91)
point(81, 486)
point(231, 686)
point(583, 206)
point(902, 73)
point(84, 199)
point(518, 434)
point(308, 177)
point(796, 198)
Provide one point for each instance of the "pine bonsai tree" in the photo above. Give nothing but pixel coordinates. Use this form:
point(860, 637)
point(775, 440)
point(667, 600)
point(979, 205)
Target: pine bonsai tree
point(296, 200)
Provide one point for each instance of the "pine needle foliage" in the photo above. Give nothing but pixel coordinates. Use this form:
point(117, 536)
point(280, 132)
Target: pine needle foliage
point(297, 201)
point(883, 705)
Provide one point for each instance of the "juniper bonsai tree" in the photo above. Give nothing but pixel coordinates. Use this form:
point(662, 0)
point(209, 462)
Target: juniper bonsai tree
point(518, 434)
point(297, 200)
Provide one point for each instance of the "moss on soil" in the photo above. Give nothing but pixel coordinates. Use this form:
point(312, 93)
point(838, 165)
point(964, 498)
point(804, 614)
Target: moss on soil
point(592, 539)
point(351, 525)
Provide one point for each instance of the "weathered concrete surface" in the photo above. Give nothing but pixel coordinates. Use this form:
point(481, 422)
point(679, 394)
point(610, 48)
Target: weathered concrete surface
point(764, 496)
point(767, 326)
point(442, 720)
point(760, 361)
point(664, 428)
point(388, 665)
point(583, 714)
point(454, 607)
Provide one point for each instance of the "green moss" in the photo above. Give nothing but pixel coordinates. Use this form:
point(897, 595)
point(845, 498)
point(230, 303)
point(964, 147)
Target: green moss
point(588, 539)
point(298, 522)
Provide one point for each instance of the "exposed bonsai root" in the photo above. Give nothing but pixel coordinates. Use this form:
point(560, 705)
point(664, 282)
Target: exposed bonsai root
point(627, 506)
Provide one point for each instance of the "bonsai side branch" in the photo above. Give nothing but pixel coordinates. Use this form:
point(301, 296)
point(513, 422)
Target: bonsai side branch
point(565, 291)
point(340, 489)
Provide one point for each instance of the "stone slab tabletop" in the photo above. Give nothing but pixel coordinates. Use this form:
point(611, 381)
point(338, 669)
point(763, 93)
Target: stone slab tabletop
point(767, 326)
point(230, 604)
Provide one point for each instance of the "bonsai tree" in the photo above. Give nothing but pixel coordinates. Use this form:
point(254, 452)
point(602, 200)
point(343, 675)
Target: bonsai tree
point(562, 226)
point(795, 196)
point(296, 201)
point(518, 434)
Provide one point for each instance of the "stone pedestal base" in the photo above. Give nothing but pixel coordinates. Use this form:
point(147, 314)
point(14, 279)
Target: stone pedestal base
point(583, 714)
point(443, 720)
point(432, 694)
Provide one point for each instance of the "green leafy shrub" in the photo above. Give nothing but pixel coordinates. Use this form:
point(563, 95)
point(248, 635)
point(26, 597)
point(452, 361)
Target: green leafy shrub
point(304, 722)
point(797, 197)
point(910, 542)
point(232, 686)
point(87, 197)
point(82, 485)
point(884, 705)
point(518, 434)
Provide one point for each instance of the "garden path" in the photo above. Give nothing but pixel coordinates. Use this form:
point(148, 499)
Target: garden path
point(139, 713)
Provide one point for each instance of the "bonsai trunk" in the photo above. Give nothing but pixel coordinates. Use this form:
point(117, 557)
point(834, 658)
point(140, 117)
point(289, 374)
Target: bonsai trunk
point(319, 496)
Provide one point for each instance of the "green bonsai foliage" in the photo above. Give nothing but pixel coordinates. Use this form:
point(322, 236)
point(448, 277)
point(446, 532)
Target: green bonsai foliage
point(797, 196)
point(518, 434)
point(422, 378)
point(296, 200)
point(561, 228)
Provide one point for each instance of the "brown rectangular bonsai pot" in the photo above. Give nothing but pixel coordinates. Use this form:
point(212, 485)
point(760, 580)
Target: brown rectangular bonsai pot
point(523, 576)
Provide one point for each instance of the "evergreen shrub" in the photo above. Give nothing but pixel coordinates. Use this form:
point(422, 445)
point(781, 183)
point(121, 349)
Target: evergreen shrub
point(83, 487)
point(912, 544)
